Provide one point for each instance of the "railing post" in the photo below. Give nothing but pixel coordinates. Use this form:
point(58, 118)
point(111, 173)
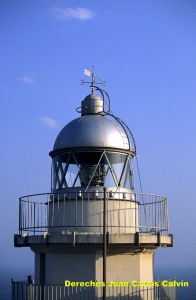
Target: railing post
point(13, 290)
point(20, 221)
point(28, 216)
point(104, 243)
point(30, 288)
point(34, 217)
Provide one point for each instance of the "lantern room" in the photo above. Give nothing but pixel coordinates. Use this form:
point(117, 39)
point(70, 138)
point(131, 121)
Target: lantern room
point(94, 150)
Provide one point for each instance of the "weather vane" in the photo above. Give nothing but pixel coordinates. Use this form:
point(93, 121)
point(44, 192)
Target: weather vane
point(93, 82)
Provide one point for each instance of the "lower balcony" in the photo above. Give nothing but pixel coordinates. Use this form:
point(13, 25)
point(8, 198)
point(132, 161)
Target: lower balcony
point(30, 291)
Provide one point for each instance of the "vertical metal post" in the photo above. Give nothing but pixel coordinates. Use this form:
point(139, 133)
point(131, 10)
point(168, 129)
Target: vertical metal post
point(104, 244)
point(20, 217)
point(34, 218)
point(30, 288)
point(13, 290)
point(28, 216)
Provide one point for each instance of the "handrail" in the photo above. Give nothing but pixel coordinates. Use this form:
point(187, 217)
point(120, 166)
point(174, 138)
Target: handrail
point(126, 212)
point(25, 290)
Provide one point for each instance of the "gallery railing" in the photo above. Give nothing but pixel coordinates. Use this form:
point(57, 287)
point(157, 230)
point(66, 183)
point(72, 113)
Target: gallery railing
point(83, 212)
point(31, 291)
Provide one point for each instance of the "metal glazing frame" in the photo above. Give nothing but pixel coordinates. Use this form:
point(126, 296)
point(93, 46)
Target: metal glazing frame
point(59, 172)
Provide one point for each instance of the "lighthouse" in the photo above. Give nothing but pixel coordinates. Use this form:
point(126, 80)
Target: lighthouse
point(93, 235)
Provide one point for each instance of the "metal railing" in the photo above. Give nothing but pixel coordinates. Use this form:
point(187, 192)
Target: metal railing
point(26, 291)
point(83, 212)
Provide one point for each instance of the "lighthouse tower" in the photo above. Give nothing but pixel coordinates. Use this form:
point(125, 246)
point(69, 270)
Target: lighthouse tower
point(93, 235)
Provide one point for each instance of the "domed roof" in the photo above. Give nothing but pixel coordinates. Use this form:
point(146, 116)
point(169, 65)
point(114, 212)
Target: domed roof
point(92, 131)
point(92, 97)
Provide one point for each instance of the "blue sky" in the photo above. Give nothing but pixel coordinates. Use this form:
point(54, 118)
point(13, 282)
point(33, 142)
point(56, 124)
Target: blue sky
point(145, 50)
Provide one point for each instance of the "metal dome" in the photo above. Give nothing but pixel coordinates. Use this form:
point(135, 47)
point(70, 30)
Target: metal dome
point(92, 131)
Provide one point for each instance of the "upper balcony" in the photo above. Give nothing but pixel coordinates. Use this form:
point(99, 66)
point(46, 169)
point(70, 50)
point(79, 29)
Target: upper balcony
point(134, 217)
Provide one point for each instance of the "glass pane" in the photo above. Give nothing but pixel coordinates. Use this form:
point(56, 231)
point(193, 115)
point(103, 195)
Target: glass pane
point(128, 179)
point(109, 180)
point(92, 171)
point(72, 177)
point(117, 161)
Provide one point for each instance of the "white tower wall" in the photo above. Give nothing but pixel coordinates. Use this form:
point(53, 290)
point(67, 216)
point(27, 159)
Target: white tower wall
point(87, 216)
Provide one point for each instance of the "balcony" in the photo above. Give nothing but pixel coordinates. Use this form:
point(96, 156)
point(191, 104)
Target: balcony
point(31, 291)
point(55, 213)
